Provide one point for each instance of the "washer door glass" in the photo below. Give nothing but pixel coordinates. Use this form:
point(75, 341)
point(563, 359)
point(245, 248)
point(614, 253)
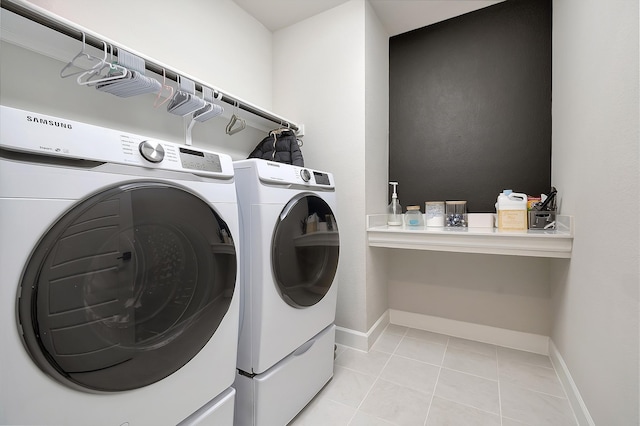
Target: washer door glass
point(305, 250)
point(127, 287)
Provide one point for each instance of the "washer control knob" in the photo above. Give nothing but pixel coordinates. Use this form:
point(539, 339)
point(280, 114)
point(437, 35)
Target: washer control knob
point(305, 175)
point(152, 151)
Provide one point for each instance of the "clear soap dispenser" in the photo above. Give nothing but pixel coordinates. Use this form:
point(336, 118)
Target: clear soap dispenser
point(394, 211)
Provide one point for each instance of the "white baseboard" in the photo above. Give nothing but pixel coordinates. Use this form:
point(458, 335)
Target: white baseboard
point(360, 340)
point(573, 395)
point(481, 333)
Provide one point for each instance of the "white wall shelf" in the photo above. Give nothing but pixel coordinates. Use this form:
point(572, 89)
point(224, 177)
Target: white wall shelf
point(556, 243)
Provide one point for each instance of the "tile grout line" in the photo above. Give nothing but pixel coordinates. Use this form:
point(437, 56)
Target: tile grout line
point(433, 393)
point(468, 374)
point(530, 389)
point(527, 388)
point(537, 391)
point(464, 404)
point(355, 413)
point(499, 388)
point(376, 380)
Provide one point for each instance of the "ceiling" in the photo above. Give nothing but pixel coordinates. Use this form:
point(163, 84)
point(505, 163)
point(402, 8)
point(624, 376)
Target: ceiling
point(397, 16)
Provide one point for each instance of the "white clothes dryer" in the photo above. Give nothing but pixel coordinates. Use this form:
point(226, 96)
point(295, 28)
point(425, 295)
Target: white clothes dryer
point(118, 303)
point(290, 250)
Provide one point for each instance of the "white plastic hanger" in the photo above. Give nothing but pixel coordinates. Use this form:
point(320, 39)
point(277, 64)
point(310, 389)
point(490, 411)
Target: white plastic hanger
point(209, 110)
point(241, 124)
point(184, 100)
point(82, 55)
point(90, 77)
point(130, 83)
point(165, 86)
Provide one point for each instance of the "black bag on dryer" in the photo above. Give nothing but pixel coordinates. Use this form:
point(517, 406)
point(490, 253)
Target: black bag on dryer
point(280, 145)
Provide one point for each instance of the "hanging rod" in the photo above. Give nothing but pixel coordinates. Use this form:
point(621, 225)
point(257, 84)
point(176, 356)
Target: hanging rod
point(68, 30)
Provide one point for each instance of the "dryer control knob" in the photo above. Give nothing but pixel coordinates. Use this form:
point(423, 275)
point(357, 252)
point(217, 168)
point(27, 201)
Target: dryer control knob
point(305, 175)
point(152, 151)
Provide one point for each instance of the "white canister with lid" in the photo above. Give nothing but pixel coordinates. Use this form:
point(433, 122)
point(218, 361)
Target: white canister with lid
point(434, 213)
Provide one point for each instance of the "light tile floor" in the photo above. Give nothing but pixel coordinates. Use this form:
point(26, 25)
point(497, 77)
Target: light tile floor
point(414, 377)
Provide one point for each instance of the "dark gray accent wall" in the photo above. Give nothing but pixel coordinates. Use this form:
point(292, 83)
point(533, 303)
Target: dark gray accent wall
point(470, 106)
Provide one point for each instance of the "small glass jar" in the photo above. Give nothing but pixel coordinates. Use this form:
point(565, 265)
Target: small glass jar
point(456, 214)
point(413, 217)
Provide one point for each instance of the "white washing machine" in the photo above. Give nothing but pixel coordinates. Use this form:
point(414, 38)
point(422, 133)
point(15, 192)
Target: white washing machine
point(118, 255)
point(290, 249)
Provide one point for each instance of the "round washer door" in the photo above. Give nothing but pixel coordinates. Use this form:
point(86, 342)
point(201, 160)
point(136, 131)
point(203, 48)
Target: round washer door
point(127, 287)
point(305, 250)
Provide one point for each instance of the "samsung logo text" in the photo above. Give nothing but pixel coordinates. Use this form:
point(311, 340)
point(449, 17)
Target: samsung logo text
point(37, 120)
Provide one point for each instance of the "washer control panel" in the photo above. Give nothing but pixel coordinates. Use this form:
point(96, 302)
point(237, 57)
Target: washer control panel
point(200, 160)
point(46, 135)
point(321, 178)
point(287, 174)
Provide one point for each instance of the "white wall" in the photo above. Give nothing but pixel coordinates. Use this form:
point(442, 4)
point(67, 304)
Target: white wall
point(376, 156)
point(32, 81)
point(332, 71)
point(319, 76)
point(596, 158)
point(509, 292)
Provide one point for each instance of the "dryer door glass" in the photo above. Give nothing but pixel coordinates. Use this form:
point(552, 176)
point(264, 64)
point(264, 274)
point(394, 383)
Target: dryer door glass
point(305, 250)
point(127, 287)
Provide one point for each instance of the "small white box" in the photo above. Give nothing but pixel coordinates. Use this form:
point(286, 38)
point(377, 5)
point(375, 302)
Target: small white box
point(480, 220)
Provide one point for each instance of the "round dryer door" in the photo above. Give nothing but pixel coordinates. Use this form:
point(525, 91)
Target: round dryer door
point(305, 250)
point(127, 287)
